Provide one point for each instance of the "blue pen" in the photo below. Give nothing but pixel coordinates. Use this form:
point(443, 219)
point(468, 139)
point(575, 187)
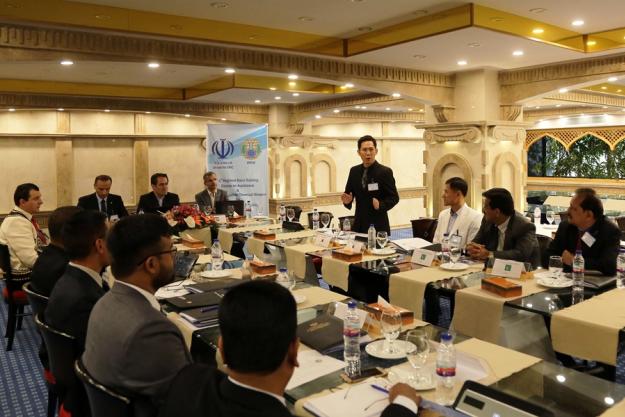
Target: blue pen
point(379, 388)
point(207, 309)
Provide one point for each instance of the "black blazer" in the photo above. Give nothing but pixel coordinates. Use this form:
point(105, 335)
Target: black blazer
point(148, 203)
point(214, 395)
point(601, 256)
point(386, 194)
point(114, 204)
point(48, 269)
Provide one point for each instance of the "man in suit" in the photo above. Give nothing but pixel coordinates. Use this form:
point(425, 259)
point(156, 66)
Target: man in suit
point(258, 344)
point(459, 219)
point(504, 233)
point(206, 199)
point(588, 230)
point(372, 185)
point(131, 346)
point(159, 200)
point(53, 260)
point(102, 200)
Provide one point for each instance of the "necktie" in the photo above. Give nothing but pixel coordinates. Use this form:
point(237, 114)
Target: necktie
point(40, 235)
point(103, 206)
point(363, 179)
point(105, 285)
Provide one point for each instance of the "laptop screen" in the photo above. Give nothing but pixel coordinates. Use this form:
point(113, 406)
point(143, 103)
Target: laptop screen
point(183, 264)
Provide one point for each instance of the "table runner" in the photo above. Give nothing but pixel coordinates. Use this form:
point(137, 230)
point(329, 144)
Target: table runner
point(335, 271)
point(590, 329)
point(317, 296)
point(296, 257)
point(257, 246)
point(478, 312)
point(406, 289)
point(617, 410)
point(225, 235)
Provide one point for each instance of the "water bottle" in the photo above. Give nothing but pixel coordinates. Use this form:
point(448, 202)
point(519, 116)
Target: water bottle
point(445, 369)
point(248, 209)
point(445, 249)
point(315, 219)
point(217, 256)
point(347, 226)
point(577, 291)
point(371, 238)
point(620, 269)
point(537, 213)
point(351, 341)
point(237, 194)
point(246, 271)
point(282, 213)
point(284, 279)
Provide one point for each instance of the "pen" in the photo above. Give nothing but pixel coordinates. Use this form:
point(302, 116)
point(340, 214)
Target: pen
point(379, 388)
point(207, 309)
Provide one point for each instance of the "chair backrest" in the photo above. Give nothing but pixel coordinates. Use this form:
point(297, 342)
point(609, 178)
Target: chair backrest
point(620, 220)
point(564, 216)
point(424, 228)
point(103, 401)
point(543, 244)
point(5, 259)
point(351, 221)
point(62, 353)
point(12, 281)
point(37, 301)
point(310, 221)
point(298, 211)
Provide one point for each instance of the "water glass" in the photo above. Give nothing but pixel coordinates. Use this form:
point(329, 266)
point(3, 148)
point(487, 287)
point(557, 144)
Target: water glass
point(418, 353)
point(325, 220)
point(230, 210)
point(550, 216)
point(390, 322)
point(577, 294)
point(290, 214)
point(382, 239)
point(555, 266)
point(455, 250)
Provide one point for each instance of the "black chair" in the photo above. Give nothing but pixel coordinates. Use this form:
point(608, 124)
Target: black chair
point(38, 302)
point(298, 212)
point(310, 220)
point(564, 216)
point(424, 228)
point(351, 221)
point(103, 401)
point(543, 244)
point(620, 221)
point(13, 296)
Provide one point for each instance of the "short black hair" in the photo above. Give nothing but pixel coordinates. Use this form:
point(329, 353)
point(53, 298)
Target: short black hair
point(590, 202)
point(81, 231)
point(57, 220)
point(22, 192)
point(208, 174)
point(500, 198)
point(458, 184)
point(134, 238)
point(585, 191)
point(258, 322)
point(367, 138)
point(103, 178)
point(154, 178)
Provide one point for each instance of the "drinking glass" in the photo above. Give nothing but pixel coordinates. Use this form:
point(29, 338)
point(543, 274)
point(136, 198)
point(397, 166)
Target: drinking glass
point(577, 294)
point(382, 238)
point(455, 250)
point(230, 210)
point(417, 355)
point(325, 220)
point(557, 219)
point(286, 281)
point(390, 322)
point(550, 216)
point(290, 214)
point(555, 266)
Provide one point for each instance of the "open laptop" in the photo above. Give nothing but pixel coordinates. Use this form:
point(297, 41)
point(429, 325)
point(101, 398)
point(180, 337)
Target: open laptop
point(183, 265)
point(595, 279)
point(221, 207)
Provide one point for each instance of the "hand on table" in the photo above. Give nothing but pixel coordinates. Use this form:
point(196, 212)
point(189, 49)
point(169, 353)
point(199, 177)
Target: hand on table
point(567, 258)
point(347, 198)
point(404, 390)
point(376, 204)
point(477, 251)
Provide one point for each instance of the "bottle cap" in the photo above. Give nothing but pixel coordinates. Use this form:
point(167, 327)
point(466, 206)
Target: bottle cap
point(446, 336)
point(215, 240)
point(282, 269)
point(351, 304)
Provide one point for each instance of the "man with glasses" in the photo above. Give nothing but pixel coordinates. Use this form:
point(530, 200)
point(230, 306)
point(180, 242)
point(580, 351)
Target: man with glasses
point(131, 346)
point(372, 185)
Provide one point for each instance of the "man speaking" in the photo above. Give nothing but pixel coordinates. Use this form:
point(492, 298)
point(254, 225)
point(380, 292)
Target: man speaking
point(373, 186)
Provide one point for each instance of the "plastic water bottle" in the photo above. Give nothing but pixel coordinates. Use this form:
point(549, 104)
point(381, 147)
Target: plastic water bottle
point(537, 213)
point(620, 269)
point(315, 219)
point(246, 271)
point(445, 369)
point(347, 226)
point(351, 341)
point(445, 249)
point(282, 213)
point(237, 194)
point(284, 279)
point(217, 256)
point(248, 209)
point(371, 238)
point(577, 291)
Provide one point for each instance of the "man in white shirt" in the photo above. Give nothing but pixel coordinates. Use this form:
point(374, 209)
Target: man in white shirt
point(20, 231)
point(458, 219)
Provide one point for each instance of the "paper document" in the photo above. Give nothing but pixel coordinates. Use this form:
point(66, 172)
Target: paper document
point(469, 368)
point(313, 365)
point(358, 400)
point(412, 243)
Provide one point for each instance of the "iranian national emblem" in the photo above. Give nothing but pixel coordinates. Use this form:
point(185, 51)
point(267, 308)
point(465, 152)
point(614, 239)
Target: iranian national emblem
point(223, 148)
point(250, 149)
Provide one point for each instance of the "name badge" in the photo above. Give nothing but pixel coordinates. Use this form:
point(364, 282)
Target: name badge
point(373, 186)
point(588, 239)
point(507, 268)
point(113, 218)
point(323, 240)
point(423, 257)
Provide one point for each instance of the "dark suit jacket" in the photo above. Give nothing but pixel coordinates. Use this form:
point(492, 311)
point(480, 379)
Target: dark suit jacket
point(148, 203)
point(214, 395)
point(133, 348)
point(48, 268)
point(204, 200)
point(601, 256)
point(114, 204)
point(520, 242)
point(386, 194)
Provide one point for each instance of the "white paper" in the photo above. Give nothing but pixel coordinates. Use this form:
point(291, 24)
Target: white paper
point(354, 245)
point(340, 311)
point(412, 243)
point(383, 303)
point(221, 218)
point(423, 257)
point(507, 268)
point(323, 240)
point(350, 403)
point(313, 365)
point(469, 368)
point(203, 259)
point(190, 222)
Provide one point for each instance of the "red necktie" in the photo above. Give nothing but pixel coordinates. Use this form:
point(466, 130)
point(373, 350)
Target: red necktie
point(40, 235)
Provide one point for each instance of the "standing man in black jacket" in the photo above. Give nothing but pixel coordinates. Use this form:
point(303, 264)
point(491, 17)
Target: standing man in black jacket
point(102, 200)
point(372, 185)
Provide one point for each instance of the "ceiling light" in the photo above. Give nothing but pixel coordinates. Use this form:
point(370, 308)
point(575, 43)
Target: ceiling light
point(619, 90)
point(102, 16)
point(558, 105)
point(365, 29)
point(577, 22)
point(409, 109)
point(612, 79)
point(537, 107)
point(60, 109)
point(604, 87)
point(462, 62)
point(496, 19)
point(219, 5)
point(348, 85)
point(336, 111)
point(538, 31)
point(12, 109)
point(396, 95)
point(561, 378)
point(153, 65)
point(305, 19)
point(175, 27)
point(223, 119)
point(317, 116)
point(272, 88)
point(563, 90)
point(292, 77)
point(591, 43)
point(292, 83)
point(473, 45)
point(295, 94)
point(107, 111)
point(604, 107)
point(67, 62)
point(229, 70)
point(357, 107)
point(538, 10)
point(418, 56)
point(256, 101)
point(187, 115)
point(277, 98)
point(517, 53)
point(388, 109)
point(420, 110)
point(363, 107)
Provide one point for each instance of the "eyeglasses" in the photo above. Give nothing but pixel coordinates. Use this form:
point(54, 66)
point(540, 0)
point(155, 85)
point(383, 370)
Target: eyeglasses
point(173, 251)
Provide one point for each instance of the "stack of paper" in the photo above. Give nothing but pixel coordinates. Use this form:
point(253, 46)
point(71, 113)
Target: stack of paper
point(313, 365)
point(360, 400)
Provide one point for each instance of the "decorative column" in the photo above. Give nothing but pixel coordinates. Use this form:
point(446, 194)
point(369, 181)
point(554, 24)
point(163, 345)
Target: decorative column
point(141, 159)
point(64, 151)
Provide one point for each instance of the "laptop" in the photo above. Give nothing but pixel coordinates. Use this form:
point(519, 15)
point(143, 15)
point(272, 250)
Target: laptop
point(183, 265)
point(221, 207)
point(595, 279)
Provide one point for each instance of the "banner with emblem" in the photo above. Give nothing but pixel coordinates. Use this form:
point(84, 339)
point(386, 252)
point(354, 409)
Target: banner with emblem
point(238, 154)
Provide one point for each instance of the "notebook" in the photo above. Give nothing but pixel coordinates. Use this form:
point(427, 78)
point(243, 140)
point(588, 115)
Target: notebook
point(217, 284)
point(188, 301)
point(322, 333)
point(201, 317)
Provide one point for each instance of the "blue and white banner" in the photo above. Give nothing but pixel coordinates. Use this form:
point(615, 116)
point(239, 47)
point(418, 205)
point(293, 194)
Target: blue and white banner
point(238, 154)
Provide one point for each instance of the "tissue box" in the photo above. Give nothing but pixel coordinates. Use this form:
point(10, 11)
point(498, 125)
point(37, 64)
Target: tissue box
point(190, 242)
point(262, 268)
point(375, 309)
point(502, 287)
point(347, 255)
point(264, 235)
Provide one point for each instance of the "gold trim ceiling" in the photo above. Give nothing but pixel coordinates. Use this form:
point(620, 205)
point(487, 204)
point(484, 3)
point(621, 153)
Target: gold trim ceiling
point(76, 14)
point(611, 135)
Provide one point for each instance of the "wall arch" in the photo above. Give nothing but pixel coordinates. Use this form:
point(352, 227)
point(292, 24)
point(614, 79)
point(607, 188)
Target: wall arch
point(438, 181)
point(323, 159)
point(506, 173)
point(303, 180)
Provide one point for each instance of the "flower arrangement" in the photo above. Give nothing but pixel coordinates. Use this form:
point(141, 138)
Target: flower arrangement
point(181, 213)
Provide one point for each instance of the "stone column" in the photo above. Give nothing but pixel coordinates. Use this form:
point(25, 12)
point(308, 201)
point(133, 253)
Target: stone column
point(141, 159)
point(63, 148)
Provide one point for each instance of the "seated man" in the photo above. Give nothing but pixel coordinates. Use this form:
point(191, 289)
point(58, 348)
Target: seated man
point(102, 200)
point(206, 199)
point(504, 233)
point(159, 200)
point(589, 230)
point(20, 231)
point(459, 219)
point(131, 346)
point(53, 260)
point(259, 345)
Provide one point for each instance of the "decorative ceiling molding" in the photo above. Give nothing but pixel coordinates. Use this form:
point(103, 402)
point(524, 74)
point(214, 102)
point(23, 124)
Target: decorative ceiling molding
point(301, 141)
point(372, 98)
point(443, 114)
point(511, 112)
point(507, 134)
point(611, 135)
point(581, 96)
point(534, 115)
point(469, 134)
point(384, 116)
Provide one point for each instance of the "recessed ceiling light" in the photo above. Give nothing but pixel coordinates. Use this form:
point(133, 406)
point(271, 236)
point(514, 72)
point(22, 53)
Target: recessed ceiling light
point(148, 112)
point(604, 107)
point(420, 110)
point(67, 62)
point(517, 53)
point(537, 107)
point(107, 111)
point(577, 22)
point(538, 31)
point(223, 119)
point(295, 94)
point(609, 400)
point(410, 109)
point(60, 109)
point(219, 5)
point(317, 116)
point(612, 79)
point(336, 111)
point(305, 19)
point(396, 95)
point(591, 43)
point(256, 101)
point(102, 17)
point(388, 109)
point(462, 62)
point(363, 107)
point(272, 88)
point(292, 77)
point(12, 109)
point(619, 90)
point(473, 45)
point(277, 98)
point(292, 83)
point(348, 85)
point(496, 19)
point(153, 65)
point(538, 10)
point(187, 115)
point(604, 88)
point(365, 29)
point(558, 105)
point(418, 56)
point(357, 107)
point(563, 90)
point(230, 71)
